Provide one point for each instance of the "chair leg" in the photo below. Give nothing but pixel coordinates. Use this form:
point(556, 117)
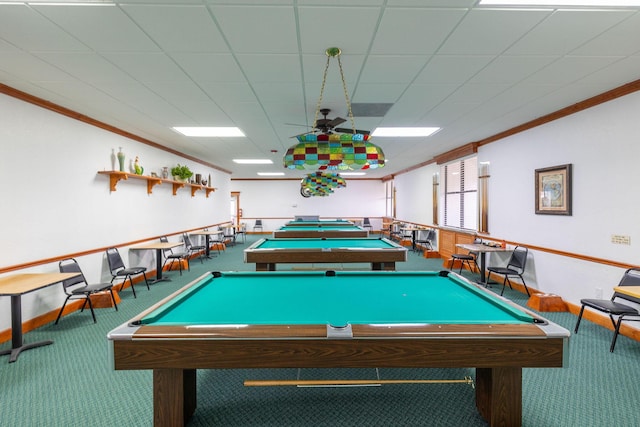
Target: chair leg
point(504, 284)
point(145, 280)
point(525, 286)
point(132, 287)
point(61, 310)
point(113, 298)
point(615, 334)
point(575, 330)
point(93, 314)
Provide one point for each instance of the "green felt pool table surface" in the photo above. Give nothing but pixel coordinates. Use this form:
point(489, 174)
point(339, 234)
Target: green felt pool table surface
point(319, 231)
point(381, 253)
point(346, 298)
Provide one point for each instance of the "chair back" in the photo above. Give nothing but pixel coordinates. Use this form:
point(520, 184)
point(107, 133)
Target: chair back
point(70, 265)
point(187, 241)
point(258, 223)
point(518, 259)
point(115, 261)
point(366, 221)
point(167, 251)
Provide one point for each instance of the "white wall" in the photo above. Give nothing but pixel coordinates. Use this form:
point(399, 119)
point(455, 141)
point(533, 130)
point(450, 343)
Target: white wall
point(54, 203)
point(414, 195)
point(277, 201)
point(602, 145)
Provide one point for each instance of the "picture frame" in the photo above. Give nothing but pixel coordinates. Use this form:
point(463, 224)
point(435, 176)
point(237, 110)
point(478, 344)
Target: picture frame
point(553, 190)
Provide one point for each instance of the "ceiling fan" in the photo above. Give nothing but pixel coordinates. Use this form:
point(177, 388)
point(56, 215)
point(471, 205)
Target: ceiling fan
point(326, 125)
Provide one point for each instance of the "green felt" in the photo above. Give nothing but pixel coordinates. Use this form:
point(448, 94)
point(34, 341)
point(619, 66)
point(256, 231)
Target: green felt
point(320, 228)
point(318, 243)
point(348, 297)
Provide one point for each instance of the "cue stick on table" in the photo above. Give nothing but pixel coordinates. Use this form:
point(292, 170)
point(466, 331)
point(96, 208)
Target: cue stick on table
point(321, 383)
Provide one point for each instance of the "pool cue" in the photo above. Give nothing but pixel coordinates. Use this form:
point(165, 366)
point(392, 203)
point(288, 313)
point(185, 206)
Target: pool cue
point(312, 383)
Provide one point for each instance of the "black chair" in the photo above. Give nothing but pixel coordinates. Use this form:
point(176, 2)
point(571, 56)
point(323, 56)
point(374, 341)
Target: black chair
point(366, 223)
point(191, 249)
point(120, 271)
point(229, 235)
point(631, 277)
point(78, 288)
point(395, 232)
point(426, 239)
point(515, 267)
point(468, 258)
point(170, 255)
point(258, 225)
point(241, 232)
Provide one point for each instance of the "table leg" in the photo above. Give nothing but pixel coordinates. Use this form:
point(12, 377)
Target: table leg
point(207, 250)
point(17, 343)
point(159, 277)
point(174, 396)
point(483, 273)
point(499, 395)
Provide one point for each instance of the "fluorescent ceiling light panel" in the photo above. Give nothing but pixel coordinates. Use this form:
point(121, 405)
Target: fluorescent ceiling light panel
point(271, 173)
point(572, 3)
point(428, 131)
point(253, 161)
point(204, 131)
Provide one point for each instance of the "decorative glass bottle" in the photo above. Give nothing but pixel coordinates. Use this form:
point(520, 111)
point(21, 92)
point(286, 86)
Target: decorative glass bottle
point(121, 159)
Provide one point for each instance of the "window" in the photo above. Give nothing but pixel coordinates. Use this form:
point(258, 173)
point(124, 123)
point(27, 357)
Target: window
point(460, 193)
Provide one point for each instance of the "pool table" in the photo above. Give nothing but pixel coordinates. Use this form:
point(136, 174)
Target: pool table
point(382, 319)
point(319, 231)
point(322, 222)
point(380, 252)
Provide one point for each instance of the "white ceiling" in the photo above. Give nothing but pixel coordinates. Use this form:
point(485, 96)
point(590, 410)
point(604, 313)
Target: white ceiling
point(147, 65)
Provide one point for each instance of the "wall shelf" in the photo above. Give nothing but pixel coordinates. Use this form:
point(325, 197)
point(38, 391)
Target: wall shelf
point(117, 176)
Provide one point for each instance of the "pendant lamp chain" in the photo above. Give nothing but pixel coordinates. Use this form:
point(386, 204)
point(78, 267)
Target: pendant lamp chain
point(334, 52)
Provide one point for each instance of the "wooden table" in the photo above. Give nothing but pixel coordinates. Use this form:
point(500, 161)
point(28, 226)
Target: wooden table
point(482, 250)
point(15, 286)
point(207, 238)
point(159, 247)
point(632, 291)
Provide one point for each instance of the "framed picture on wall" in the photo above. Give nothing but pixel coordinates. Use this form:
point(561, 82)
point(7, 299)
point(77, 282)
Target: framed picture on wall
point(553, 190)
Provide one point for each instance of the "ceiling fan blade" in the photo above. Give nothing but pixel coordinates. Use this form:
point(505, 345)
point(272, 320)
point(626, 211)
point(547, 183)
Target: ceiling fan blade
point(346, 130)
point(335, 122)
point(296, 124)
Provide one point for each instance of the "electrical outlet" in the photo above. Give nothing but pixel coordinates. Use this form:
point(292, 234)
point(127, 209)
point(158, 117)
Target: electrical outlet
point(599, 293)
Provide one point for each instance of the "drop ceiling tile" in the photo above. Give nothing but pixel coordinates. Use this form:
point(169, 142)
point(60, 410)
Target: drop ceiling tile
point(512, 68)
point(179, 28)
point(106, 29)
point(380, 92)
point(551, 36)
point(452, 68)
point(349, 28)
point(27, 29)
point(88, 67)
point(147, 67)
point(257, 29)
point(225, 93)
point(471, 37)
point(622, 39)
point(414, 31)
point(209, 67)
point(570, 69)
point(392, 68)
point(265, 68)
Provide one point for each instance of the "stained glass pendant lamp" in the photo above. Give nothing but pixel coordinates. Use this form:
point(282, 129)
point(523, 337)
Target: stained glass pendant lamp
point(333, 150)
point(321, 184)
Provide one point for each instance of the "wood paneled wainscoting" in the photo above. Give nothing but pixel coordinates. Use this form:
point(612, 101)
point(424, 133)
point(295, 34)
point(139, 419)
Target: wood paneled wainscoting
point(447, 244)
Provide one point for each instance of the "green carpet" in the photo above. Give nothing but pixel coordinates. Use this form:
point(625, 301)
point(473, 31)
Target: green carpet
point(71, 383)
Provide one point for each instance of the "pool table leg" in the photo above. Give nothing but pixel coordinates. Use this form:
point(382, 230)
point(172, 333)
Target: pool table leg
point(174, 396)
point(265, 266)
point(499, 395)
point(378, 266)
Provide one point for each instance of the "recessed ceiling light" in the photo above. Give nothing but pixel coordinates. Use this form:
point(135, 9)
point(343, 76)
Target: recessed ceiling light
point(253, 161)
point(572, 3)
point(203, 131)
point(271, 173)
point(412, 131)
